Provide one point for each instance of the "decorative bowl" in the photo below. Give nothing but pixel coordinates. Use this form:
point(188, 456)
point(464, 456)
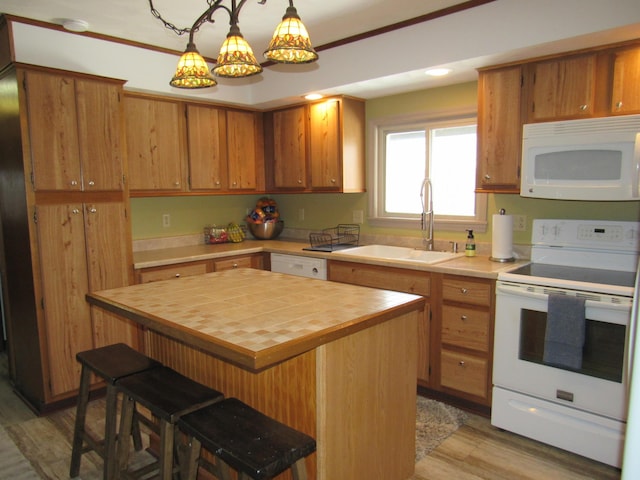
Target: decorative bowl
point(266, 230)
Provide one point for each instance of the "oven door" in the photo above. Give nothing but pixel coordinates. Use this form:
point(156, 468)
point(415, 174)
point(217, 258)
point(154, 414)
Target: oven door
point(599, 387)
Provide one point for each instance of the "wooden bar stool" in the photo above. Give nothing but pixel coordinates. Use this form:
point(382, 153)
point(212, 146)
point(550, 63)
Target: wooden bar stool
point(240, 437)
point(110, 363)
point(167, 395)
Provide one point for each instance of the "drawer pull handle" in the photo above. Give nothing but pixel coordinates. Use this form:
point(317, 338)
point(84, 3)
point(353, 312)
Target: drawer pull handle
point(177, 275)
point(461, 363)
point(463, 317)
point(235, 265)
point(463, 291)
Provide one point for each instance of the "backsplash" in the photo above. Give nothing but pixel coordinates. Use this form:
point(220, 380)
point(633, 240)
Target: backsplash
point(302, 235)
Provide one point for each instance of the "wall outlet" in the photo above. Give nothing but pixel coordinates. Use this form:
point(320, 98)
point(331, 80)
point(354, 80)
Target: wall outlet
point(301, 214)
point(166, 220)
point(358, 216)
point(519, 223)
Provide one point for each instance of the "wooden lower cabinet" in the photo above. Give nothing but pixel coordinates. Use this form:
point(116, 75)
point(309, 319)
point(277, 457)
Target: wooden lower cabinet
point(168, 272)
point(397, 279)
point(186, 269)
point(239, 261)
point(464, 338)
point(455, 333)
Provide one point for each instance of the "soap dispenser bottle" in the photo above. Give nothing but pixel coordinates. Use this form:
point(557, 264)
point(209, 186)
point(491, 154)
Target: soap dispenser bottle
point(470, 246)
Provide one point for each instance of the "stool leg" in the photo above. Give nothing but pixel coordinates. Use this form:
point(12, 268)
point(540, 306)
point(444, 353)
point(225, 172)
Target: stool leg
point(81, 414)
point(135, 432)
point(166, 450)
point(110, 432)
point(121, 459)
point(189, 461)
point(299, 470)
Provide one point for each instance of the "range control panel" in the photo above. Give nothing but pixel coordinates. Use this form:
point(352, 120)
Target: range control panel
point(588, 234)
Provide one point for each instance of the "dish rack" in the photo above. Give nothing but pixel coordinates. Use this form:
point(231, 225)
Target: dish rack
point(334, 238)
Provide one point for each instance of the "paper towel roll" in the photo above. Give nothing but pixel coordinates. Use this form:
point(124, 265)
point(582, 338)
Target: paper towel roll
point(502, 239)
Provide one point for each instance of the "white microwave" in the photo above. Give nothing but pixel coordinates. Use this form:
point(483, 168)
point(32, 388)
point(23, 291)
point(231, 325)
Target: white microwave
point(587, 159)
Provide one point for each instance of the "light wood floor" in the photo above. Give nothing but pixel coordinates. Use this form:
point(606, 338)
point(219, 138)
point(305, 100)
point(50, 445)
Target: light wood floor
point(478, 450)
point(475, 451)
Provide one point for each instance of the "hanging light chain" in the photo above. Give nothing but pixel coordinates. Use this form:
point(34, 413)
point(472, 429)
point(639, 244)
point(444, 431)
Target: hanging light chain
point(182, 31)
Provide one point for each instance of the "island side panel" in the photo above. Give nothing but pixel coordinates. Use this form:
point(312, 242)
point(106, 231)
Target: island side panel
point(286, 391)
point(367, 402)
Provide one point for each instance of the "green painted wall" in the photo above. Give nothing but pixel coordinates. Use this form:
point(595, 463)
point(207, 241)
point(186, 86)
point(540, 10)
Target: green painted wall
point(190, 214)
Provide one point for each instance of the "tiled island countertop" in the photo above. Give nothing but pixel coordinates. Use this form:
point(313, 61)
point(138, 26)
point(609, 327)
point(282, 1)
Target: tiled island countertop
point(325, 358)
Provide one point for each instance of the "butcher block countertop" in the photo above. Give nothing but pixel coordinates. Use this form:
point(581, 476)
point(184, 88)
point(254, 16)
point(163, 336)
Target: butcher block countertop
point(254, 318)
point(479, 266)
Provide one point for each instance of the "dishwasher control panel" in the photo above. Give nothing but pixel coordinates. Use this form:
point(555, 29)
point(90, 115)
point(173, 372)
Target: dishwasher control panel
point(298, 265)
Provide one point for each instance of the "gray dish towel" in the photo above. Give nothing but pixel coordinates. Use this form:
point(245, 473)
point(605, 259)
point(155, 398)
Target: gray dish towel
point(564, 336)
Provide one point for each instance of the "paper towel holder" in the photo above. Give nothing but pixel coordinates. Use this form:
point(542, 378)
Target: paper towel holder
point(502, 260)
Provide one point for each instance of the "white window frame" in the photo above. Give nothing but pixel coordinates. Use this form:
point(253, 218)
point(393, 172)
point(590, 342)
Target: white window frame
point(375, 173)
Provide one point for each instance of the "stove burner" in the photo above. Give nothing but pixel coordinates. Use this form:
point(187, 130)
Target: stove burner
point(577, 274)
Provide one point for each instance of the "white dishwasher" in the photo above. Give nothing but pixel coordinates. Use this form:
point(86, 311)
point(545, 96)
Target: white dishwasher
point(298, 265)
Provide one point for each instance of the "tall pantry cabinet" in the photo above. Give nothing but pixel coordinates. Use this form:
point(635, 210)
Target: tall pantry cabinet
point(65, 214)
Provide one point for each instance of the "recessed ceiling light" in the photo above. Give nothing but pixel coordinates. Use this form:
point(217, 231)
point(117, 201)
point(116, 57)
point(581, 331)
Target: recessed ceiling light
point(438, 72)
point(313, 96)
point(75, 25)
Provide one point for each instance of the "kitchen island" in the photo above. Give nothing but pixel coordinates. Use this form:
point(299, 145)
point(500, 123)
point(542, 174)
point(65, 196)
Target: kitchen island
point(335, 361)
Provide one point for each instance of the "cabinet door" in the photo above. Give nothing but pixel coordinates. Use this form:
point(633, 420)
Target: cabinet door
point(625, 98)
point(63, 272)
point(324, 145)
point(499, 130)
point(100, 134)
point(207, 148)
point(564, 88)
point(110, 265)
point(53, 131)
point(290, 148)
point(242, 152)
point(156, 143)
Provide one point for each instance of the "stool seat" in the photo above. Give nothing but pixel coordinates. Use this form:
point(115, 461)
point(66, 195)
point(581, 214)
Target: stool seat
point(247, 440)
point(167, 395)
point(110, 363)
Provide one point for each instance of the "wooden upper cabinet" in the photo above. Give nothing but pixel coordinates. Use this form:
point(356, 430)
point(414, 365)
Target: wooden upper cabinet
point(225, 149)
point(319, 147)
point(564, 88)
point(74, 132)
point(245, 150)
point(207, 148)
point(290, 148)
point(337, 145)
point(499, 130)
point(324, 145)
point(100, 134)
point(156, 143)
point(625, 89)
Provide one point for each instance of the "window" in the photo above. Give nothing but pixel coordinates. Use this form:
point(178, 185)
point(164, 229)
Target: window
point(406, 151)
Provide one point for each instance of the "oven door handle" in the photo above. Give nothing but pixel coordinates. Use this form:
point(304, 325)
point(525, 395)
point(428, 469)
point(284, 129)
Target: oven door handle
point(521, 292)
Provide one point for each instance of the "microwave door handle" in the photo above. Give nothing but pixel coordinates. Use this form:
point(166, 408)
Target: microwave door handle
point(519, 292)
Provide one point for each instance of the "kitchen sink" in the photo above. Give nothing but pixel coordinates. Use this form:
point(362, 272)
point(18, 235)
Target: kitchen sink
point(403, 254)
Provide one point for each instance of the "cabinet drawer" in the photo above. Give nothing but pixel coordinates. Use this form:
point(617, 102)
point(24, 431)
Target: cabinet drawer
point(465, 290)
point(388, 278)
point(231, 263)
point(464, 373)
point(465, 328)
point(156, 274)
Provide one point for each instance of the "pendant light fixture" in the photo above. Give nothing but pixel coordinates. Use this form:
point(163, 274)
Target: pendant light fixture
point(290, 44)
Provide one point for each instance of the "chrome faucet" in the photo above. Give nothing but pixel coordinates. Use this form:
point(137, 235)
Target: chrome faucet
point(426, 218)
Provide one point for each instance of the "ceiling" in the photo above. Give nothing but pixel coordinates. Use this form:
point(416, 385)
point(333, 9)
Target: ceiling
point(327, 21)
